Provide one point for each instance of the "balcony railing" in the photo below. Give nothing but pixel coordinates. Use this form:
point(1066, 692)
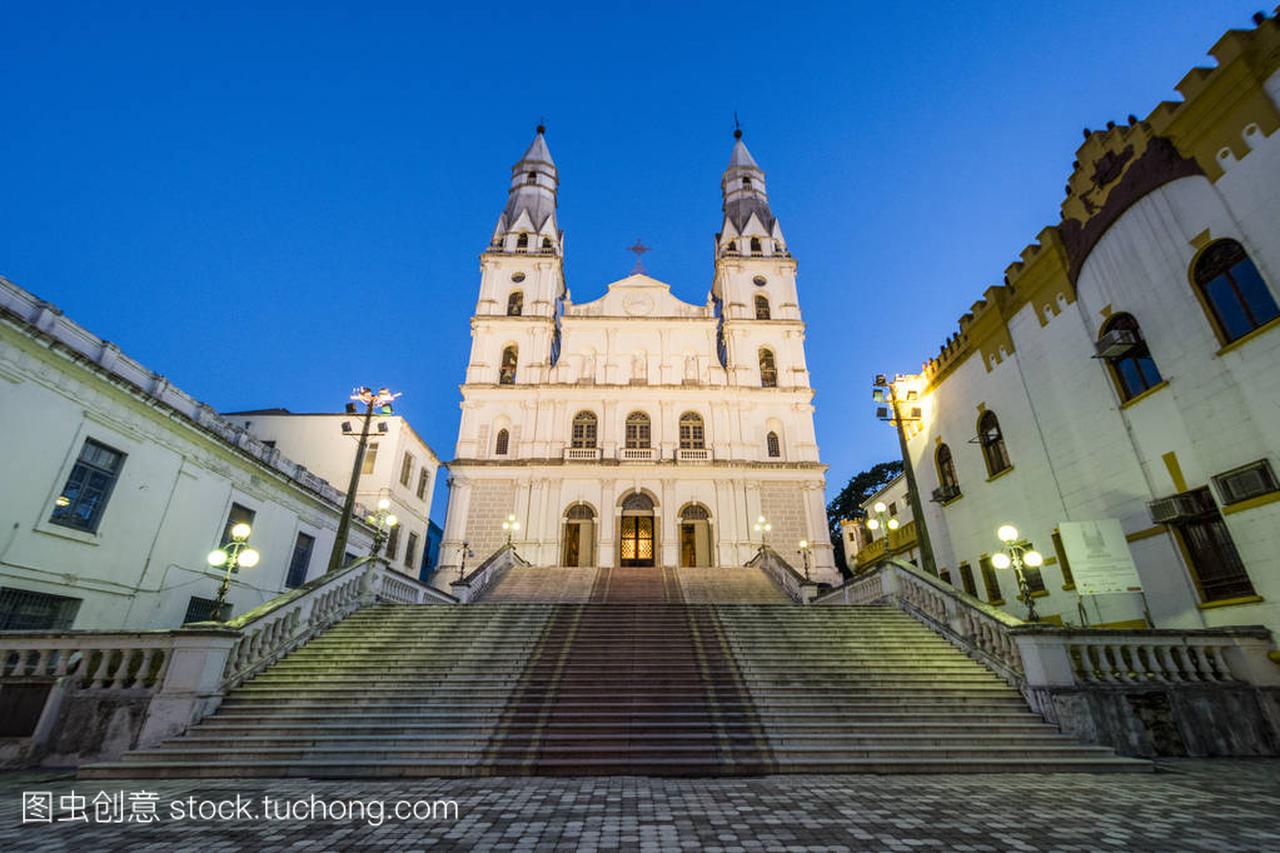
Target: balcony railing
point(582, 454)
point(637, 454)
point(693, 454)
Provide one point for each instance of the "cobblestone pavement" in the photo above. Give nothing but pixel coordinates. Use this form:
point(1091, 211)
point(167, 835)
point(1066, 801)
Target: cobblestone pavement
point(1186, 805)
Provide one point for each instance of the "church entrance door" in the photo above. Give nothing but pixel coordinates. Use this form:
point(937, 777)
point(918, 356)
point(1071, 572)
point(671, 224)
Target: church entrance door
point(637, 540)
point(577, 548)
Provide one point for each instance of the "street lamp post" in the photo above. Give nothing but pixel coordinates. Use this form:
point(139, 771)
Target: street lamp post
point(805, 550)
point(1018, 555)
point(510, 526)
point(462, 562)
point(233, 556)
point(374, 401)
point(381, 521)
point(898, 418)
point(762, 526)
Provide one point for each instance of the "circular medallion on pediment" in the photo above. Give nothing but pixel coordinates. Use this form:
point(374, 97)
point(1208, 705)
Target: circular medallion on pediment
point(639, 305)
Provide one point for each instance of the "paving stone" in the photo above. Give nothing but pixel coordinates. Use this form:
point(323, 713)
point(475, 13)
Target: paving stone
point(1185, 805)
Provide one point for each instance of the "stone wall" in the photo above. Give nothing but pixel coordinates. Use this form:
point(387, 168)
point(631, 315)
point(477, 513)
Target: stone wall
point(1169, 721)
point(491, 501)
point(783, 505)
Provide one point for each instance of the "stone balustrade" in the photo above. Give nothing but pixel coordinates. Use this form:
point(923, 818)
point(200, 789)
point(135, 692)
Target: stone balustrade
point(484, 576)
point(792, 582)
point(1217, 688)
point(154, 684)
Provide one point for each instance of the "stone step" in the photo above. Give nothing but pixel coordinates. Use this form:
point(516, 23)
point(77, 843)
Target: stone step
point(358, 727)
point(649, 766)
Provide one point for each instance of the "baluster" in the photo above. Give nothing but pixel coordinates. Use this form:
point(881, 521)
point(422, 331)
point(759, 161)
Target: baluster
point(1202, 663)
point(122, 671)
point(1088, 666)
point(1173, 671)
point(64, 658)
point(1219, 661)
point(1131, 670)
point(100, 675)
point(42, 661)
point(143, 676)
point(1155, 666)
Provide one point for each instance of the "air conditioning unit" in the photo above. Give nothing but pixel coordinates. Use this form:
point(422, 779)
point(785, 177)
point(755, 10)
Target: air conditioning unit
point(1181, 507)
point(942, 494)
point(1248, 481)
point(1116, 343)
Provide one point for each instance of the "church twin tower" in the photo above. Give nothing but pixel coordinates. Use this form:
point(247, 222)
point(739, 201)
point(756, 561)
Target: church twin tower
point(637, 430)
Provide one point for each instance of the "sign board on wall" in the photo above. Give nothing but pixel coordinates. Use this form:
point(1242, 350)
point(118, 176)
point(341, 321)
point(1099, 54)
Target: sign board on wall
point(1099, 557)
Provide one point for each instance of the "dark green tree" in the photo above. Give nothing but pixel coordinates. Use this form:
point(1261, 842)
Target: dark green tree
point(848, 504)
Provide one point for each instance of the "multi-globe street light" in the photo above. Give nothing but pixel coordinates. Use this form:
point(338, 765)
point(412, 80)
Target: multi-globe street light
point(232, 557)
point(375, 402)
point(1019, 556)
point(382, 522)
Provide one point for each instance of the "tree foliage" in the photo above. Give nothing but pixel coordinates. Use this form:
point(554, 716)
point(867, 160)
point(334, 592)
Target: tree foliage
point(848, 503)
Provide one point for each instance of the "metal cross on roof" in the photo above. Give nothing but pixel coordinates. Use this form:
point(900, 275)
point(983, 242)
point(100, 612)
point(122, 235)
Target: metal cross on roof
point(639, 248)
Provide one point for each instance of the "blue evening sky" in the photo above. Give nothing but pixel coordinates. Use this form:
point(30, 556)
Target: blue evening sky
point(272, 205)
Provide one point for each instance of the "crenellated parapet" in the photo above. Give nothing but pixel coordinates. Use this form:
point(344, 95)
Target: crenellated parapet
point(1225, 112)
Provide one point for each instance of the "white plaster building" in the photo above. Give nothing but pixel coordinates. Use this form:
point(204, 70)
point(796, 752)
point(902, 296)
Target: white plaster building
point(117, 485)
point(635, 429)
point(398, 465)
point(1130, 367)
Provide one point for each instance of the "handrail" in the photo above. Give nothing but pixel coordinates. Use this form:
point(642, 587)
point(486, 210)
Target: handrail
point(792, 582)
point(485, 575)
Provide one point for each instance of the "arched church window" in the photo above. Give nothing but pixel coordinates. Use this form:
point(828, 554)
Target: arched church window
point(1126, 354)
point(580, 512)
point(695, 512)
point(507, 372)
point(1232, 287)
point(638, 501)
point(946, 469)
point(638, 431)
point(692, 433)
point(502, 443)
point(772, 445)
point(991, 437)
point(546, 244)
point(584, 430)
point(756, 247)
point(733, 247)
point(746, 181)
point(522, 242)
point(768, 369)
point(515, 303)
point(531, 178)
point(762, 307)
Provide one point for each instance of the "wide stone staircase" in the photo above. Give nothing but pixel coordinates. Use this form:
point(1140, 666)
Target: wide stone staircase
point(611, 689)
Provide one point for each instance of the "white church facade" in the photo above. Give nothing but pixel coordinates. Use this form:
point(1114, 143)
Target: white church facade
point(637, 430)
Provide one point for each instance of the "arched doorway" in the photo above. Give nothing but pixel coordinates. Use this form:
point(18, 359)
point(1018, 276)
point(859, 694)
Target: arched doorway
point(636, 540)
point(694, 525)
point(578, 546)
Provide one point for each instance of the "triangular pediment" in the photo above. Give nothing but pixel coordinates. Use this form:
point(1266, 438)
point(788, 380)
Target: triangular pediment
point(638, 295)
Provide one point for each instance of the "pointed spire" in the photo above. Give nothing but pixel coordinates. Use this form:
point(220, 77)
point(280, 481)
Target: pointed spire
point(528, 222)
point(749, 222)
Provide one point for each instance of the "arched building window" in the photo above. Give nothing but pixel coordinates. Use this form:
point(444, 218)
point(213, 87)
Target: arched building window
point(762, 307)
point(531, 178)
point(507, 372)
point(584, 430)
point(768, 369)
point(946, 469)
point(637, 431)
point(772, 446)
point(992, 440)
point(756, 247)
point(1233, 290)
point(522, 242)
point(1125, 351)
point(515, 303)
point(692, 434)
point(501, 443)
